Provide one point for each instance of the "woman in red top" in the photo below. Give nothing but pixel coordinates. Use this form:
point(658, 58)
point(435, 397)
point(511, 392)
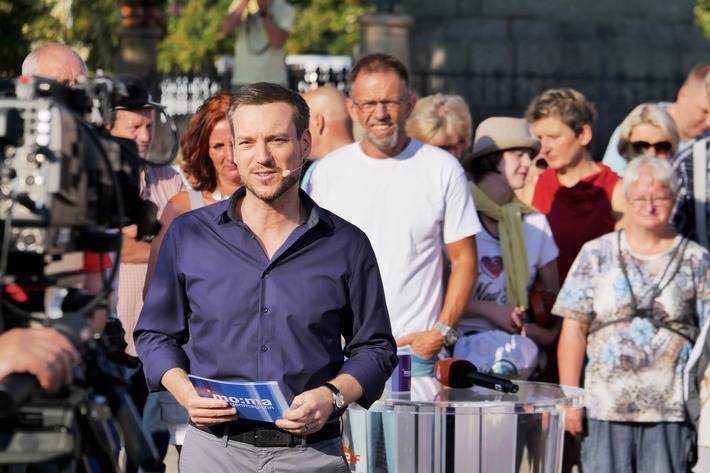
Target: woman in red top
point(582, 199)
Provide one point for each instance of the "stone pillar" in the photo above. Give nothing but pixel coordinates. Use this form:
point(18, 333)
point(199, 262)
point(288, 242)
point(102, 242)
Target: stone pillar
point(138, 54)
point(386, 33)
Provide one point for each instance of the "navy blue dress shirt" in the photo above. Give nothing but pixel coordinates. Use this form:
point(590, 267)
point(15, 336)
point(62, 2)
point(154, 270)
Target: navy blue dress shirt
point(255, 319)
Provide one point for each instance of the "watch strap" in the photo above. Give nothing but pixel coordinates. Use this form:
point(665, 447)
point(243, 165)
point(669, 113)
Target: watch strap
point(336, 393)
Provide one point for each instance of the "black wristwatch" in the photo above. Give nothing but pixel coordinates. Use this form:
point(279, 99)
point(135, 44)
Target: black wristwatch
point(338, 399)
point(449, 333)
point(263, 14)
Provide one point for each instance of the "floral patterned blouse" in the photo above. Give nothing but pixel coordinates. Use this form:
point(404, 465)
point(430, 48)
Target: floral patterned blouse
point(636, 342)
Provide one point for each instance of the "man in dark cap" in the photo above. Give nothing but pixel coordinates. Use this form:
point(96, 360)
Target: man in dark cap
point(132, 117)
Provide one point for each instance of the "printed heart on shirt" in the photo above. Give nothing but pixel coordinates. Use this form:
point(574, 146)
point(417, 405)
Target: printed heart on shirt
point(492, 266)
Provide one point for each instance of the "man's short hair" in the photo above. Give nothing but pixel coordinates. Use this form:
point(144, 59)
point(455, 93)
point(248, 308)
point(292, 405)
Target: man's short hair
point(378, 62)
point(569, 105)
point(262, 93)
point(34, 59)
point(697, 75)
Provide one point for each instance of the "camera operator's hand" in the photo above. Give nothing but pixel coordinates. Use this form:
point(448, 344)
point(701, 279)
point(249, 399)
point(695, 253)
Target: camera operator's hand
point(42, 352)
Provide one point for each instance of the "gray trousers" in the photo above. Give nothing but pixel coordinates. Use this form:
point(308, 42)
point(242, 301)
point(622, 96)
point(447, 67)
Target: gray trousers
point(205, 453)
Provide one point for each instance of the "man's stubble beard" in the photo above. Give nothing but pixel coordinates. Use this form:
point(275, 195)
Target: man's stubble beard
point(379, 143)
point(286, 184)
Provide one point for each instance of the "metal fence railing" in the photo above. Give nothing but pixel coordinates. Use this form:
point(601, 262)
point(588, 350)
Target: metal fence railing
point(183, 94)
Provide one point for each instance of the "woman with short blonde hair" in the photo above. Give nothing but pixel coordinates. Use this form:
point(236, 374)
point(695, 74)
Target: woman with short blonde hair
point(443, 121)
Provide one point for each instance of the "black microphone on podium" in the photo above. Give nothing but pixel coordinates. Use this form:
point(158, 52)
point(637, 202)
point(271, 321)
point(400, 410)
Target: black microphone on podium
point(460, 373)
point(287, 172)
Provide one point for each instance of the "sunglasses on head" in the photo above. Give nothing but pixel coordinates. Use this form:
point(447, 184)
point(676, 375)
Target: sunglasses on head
point(662, 147)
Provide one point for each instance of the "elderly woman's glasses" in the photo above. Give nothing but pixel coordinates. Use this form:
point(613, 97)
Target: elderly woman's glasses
point(662, 147)
point(656, 201)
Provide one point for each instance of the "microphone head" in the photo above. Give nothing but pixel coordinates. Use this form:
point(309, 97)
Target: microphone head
point(285, 173)
point(452, 372)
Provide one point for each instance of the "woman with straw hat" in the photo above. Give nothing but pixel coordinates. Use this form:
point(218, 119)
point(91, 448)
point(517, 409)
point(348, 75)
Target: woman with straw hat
point(516, 246)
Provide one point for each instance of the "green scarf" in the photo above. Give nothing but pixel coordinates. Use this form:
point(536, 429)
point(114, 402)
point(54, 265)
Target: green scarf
point(512, 243)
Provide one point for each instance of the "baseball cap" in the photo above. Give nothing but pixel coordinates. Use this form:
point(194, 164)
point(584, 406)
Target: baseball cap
point(133, 94)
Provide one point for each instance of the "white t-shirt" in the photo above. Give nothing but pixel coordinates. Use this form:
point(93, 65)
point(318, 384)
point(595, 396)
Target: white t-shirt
point(409, 206)
point(490, 285)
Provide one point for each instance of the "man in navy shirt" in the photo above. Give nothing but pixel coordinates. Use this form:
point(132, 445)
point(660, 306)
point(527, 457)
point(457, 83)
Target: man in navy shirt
point(270, 282)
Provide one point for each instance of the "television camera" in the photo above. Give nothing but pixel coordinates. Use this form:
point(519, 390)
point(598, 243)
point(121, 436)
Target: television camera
point(67, 187)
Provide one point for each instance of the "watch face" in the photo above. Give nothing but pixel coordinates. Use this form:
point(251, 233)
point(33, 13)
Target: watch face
point(338, 400)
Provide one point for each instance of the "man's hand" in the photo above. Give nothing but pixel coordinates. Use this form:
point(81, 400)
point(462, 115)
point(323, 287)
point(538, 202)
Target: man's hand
point(133, 251)
point(203, 411)
point(309, 412)
point(425, 344)
point(42, 352)
point(206, 411)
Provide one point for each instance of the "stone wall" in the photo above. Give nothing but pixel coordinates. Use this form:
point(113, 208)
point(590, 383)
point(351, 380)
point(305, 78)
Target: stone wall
point(499, 54)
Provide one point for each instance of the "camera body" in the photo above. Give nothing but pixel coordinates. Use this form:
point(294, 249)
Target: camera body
point(56, 188)
point(66, 187)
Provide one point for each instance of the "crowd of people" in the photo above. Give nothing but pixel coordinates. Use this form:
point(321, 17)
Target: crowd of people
point(297, 254)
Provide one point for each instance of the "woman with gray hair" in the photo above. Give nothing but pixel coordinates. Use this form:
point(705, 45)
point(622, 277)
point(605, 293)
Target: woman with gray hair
point(443, 121)
point(648, 131)
point(634, 300)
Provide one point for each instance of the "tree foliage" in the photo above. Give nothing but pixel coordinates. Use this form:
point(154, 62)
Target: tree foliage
point(16, 34)
point(327, 27)
point(702, 16)
point(194, 42)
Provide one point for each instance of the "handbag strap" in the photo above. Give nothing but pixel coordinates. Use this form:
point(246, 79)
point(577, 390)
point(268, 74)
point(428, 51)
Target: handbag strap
point(674, 265)
point(700, 187)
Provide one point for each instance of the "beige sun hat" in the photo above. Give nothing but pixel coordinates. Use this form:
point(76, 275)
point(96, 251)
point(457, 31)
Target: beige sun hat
point(500, 134)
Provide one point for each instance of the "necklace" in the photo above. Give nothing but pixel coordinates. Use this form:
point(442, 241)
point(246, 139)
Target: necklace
point(217, 195)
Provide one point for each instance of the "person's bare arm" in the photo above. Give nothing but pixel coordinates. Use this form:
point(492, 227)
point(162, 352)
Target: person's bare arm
point(570, 358)
point(464, 269)
point(233, 19)
point(277, 36)
point(178, 205)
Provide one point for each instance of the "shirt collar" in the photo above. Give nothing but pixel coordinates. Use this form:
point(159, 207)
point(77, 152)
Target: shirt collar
point(314, 212)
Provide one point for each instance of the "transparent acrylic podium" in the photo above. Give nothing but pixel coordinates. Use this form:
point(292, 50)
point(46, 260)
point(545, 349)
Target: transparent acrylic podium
point(437, 429)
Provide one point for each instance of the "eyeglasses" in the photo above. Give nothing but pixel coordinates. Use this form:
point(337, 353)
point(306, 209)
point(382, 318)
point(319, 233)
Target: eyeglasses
point(656, 201)
point(662, 147)
point(391, 106)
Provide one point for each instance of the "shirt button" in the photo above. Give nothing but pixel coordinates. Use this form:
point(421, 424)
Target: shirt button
point(264, 348)
point(267, 271)
point(264, 309)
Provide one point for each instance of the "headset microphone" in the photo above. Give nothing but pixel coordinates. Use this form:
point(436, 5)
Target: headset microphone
point(287, 172)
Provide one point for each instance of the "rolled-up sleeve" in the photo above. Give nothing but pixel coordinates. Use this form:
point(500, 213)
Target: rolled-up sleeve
point(370, 347)
point(162, 327)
